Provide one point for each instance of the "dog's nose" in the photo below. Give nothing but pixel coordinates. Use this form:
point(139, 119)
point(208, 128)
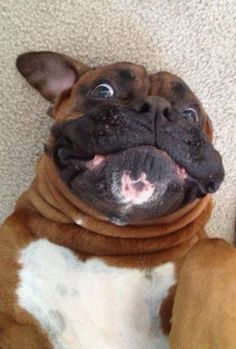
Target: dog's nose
point(213, 186)
point(156, 105)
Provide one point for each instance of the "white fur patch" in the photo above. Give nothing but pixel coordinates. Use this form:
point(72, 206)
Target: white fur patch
point(90, 305)
point(79, 221)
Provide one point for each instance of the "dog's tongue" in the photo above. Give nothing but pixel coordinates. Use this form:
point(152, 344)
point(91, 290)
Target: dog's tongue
point(95, 162)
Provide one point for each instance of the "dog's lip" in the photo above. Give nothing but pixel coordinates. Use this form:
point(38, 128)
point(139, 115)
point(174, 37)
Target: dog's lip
point(95, 162)
point(98, 159)
point(98, 162)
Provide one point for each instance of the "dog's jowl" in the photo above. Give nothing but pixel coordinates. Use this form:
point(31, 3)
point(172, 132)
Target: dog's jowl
point(92, 252)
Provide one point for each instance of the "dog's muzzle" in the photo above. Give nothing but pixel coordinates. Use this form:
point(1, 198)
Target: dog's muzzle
point(144, 150)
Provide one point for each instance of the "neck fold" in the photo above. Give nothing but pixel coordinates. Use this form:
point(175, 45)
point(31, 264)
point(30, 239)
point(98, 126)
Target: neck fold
point(56, 214)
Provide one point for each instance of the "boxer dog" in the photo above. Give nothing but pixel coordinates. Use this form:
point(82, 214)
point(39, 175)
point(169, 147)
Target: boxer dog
point(91, 256)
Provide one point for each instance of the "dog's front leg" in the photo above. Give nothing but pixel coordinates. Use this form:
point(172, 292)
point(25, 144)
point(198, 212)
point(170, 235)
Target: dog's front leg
point(204, 313)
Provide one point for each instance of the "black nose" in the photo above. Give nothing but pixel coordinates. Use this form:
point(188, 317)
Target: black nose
point(155, 105)
point(213, 186)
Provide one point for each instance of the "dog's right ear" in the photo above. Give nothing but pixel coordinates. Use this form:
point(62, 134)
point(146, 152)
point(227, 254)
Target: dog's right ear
point(50, 73)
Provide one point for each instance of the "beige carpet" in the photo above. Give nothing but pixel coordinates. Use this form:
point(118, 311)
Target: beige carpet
point(194, 39)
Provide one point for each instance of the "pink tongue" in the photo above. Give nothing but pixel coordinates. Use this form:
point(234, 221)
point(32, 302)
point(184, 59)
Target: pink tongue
point(139, 190)
point(181, 172)
point(96, 161)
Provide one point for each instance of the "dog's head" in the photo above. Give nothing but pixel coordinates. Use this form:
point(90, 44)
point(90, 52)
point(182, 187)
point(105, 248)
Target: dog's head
point(131, 145)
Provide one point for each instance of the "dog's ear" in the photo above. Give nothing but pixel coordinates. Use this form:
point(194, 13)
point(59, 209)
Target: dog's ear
point(50, 73)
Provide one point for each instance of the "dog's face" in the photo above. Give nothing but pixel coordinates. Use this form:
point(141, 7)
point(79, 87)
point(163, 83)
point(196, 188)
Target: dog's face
point(133, 146)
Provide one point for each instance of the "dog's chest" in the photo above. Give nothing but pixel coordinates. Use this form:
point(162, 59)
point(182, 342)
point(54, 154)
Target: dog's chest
point(90, 305)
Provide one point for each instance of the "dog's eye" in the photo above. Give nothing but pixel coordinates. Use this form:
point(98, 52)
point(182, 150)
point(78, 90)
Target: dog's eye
point(103, 91)
point(190, 114)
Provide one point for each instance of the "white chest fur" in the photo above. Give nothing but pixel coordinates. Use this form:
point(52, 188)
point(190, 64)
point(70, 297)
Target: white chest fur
point(90, 305)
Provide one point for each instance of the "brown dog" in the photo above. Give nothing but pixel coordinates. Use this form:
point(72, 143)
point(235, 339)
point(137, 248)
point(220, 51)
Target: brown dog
point(91, 255)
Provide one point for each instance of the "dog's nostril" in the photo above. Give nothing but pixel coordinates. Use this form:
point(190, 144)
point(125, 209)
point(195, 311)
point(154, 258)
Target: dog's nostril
point(168, 114)
point(213, 186)
point(141, 106)
point(144, 107)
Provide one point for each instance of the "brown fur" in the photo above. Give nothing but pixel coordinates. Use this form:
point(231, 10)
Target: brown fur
point(204, 313)
point(18, 329)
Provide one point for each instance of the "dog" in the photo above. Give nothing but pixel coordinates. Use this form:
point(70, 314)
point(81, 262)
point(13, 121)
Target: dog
point(92, 254)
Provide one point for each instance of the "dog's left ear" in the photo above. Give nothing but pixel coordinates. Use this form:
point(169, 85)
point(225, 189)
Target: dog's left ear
point(50, 73)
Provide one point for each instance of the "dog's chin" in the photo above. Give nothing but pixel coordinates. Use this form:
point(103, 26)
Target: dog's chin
point(133, 186)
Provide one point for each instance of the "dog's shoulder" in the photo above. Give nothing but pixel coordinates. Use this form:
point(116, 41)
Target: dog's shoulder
point(18, 329)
